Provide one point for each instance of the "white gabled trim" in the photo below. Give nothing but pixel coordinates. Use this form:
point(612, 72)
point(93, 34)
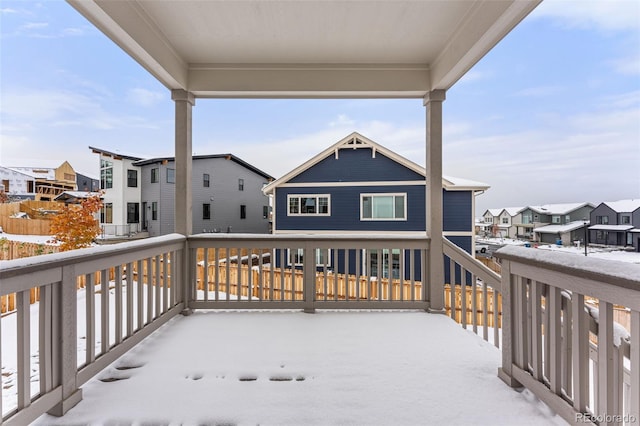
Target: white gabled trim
point(372, 183)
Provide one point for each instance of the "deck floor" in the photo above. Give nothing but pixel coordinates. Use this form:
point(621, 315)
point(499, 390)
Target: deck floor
point(291, 368)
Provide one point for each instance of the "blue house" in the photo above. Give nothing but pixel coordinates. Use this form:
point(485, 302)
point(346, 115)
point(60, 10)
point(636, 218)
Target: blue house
point(358, 186)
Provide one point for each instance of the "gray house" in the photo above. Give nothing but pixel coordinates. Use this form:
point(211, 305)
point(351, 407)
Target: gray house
point(227, 195)
point(616, 223)
point(557, 222)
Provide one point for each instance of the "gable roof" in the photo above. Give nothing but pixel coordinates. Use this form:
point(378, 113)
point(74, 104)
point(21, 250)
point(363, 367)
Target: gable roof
point(559, 208)
point(116, 155)
point(623, 206)
point(354, 141)
point(206, 157)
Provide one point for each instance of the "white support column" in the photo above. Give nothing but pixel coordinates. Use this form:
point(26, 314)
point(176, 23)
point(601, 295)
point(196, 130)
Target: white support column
point(183, 199)
point(433, 103)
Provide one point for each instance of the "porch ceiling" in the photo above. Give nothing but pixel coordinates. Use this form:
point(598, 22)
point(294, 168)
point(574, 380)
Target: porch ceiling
point(315, 48)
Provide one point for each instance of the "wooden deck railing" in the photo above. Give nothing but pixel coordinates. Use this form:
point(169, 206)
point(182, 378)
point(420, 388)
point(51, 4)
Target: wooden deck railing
point(329, 271)
point(568, 352)
point(117, 315)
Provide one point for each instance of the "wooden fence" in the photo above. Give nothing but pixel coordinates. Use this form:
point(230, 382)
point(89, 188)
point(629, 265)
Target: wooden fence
point(38, 222)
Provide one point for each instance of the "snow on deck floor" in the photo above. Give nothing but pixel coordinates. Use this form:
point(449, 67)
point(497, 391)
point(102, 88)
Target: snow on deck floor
point(291, 368)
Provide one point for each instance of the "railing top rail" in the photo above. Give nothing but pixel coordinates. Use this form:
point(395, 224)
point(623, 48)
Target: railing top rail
point(11, 268)
point(617, 273)
point(471, 264)
point(334, 241)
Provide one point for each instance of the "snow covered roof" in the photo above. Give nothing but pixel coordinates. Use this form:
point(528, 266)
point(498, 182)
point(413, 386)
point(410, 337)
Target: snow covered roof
point(611, 227)
point(559, 208)
point(560, 229)
point(494, 212)
point(624, 206)
point(512, 211)
point(75, 195)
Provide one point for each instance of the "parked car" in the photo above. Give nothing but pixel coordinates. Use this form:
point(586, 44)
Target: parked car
point(481, 248)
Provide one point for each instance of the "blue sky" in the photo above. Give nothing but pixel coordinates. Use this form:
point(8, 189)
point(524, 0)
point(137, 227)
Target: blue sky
point(550, 115)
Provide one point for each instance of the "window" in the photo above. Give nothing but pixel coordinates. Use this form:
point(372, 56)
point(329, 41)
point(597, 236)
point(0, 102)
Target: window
point(629, 239)
point(133, 213)
point(505, 220)
point(567, 219)
point(317, 204)
point(240, 184)
point(625, 220)
point(154, 210)
point(206, 211)
point(383, 206)
point(296, 257)
point(488, 219)
point(132, 178)
point(106, 214)
point(602, 235)
point(106, 174)
point(243, 211)
point(171, 175)
point(380, 267)
point(555, 219)
point(602, 220)
point(265, 212)
point(526, 219)
point(154, 175)
point(205, 180)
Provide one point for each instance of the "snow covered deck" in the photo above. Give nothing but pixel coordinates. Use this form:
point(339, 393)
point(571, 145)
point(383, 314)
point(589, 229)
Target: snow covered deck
point(291, 368)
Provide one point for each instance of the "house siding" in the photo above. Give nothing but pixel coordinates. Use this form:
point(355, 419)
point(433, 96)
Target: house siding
point(222, 194)
point(609, 238)
point(356, 165)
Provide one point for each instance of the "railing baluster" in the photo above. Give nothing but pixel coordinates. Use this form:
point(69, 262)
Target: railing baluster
point(474, 298)
point(130, 293)
point(117, 271)
point(580, 354)
point(228, 277)
point(45, 339)
point(104, 311)
point(282, 268)
point(140, 293)
point(358, 267)
point(535, 295)
point(380, 272)
point(260, 278)
point(555, 340)
point(23, 318)
point(452, 285)
point(90, 320)
point(157, 289)
point(149, 282)
point(165, 282)
point(485, 312)
point(496, 319)
point(412, 274)
point(463, 298)
point(605, 392)
point(272, 274)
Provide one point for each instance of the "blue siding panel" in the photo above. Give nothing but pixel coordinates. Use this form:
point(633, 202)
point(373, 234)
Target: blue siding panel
point(356, 165)
point(345, 210)
point(457, 214)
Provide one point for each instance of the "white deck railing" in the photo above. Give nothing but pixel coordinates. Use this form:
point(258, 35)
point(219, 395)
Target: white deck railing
point(558, 316)
point(138, 291)
point(308, 271)
point(546, 331)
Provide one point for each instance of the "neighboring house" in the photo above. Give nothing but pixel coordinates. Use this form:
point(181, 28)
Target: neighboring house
point(360, 187)
point(502, 223)
point(86, 183)
point(18, 185)
point(616, 223)
point(490, 222)
point(551, 223)
point(120, 182)
point(227, 195)
point(42, 183)
point(75, 197)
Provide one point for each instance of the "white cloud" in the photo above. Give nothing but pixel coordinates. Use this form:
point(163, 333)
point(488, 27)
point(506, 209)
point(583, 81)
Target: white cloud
point(612, 15)
point(539, 92)
point(342, 121)
point(627, 66)
point(144, 97)
point(34, 25)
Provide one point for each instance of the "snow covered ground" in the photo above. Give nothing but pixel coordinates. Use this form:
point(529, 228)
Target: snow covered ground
point(291, 368)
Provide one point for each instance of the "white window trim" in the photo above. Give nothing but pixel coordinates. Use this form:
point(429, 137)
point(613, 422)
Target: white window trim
point(329, 257)
point(316, 196)
point(384, 194)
